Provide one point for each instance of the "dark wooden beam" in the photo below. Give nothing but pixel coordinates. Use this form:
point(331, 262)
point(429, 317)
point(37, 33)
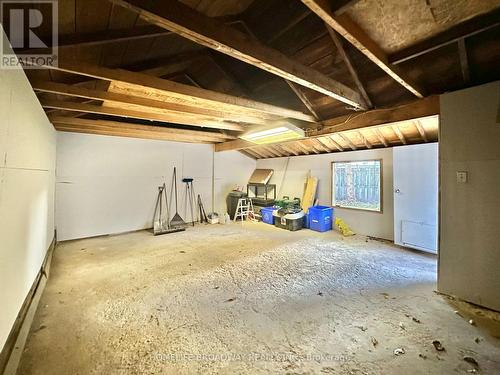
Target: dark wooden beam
point(464, 60)
point(463, 30)
point(181, 19)
point(303, 98)
point(350, 66)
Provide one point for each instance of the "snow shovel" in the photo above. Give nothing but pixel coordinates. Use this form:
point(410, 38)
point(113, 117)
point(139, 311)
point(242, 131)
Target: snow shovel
point(177, 221)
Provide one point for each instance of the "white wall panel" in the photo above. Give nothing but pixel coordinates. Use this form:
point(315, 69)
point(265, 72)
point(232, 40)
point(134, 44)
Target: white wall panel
point(109, 184)
point(27, 177)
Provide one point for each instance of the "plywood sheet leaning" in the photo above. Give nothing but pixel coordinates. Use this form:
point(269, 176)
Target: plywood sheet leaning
point(309, 192)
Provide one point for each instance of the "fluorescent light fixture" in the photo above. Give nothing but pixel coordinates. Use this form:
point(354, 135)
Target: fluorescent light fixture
point(274, 134)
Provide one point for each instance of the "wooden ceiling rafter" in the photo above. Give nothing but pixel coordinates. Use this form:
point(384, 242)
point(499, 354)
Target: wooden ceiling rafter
point(464, 60)
point(181, 93)
point(351, 31)
point(381, 137)
point(120, 128)
point(140, 115)
point(211, 33)
point(348, 62)
point(248, 154)
point(130, 100)
point(327, 142)
point(347, 140)
point(319, 145)
point(421, 130)
point(288, 148)
point(335, 144)
point(399, 134)
point(365, 141)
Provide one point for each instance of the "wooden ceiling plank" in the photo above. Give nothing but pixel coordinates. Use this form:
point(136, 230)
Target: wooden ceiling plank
point(130, 126)
point(108, 96)
point(262, 154)
point(311, 145)
point(421, 130)
point(292, 24)
point(289, 149)
point(348, 29)
point(381, 137)
point(196, 95)
point(319, 145)
point(301, 147)
point(123, 128)
point(336, 144)
point(249, 154)
point(122, 112)
point(327, 142)
point(349, 65)
point(347, 140)
point(365, 141)
point(274, 151)
point(400, 135)
point(181, 19)
point(117, 133)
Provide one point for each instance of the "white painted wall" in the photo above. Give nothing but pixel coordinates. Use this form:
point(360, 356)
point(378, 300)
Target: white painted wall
point(375, 224)
point(27, 164)
point(109, 184)
point(469, 252)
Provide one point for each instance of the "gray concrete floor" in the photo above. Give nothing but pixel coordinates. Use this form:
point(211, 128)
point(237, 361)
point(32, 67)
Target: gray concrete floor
point(251, 299)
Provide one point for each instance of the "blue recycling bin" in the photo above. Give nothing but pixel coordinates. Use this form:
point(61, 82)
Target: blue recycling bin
point(320, 218)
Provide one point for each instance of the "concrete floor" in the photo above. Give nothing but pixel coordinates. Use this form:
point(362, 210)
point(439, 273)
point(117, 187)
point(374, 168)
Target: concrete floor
point(251, 299)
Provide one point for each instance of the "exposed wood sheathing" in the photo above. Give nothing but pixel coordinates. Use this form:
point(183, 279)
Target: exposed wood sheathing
point(397, 24)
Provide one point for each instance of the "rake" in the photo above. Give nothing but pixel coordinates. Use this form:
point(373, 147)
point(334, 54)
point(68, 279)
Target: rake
point(177, 221)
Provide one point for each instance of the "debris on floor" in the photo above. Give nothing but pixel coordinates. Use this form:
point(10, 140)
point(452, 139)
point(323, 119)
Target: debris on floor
point(374, 341)
point(439, 347)
point(472, 361)
point(399, 351)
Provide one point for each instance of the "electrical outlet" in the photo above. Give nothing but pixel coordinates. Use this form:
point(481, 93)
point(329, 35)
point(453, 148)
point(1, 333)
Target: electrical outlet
point(462, 177)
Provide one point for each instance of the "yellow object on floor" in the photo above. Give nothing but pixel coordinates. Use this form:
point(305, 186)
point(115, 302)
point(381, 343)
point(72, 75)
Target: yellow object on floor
point(343, 227)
